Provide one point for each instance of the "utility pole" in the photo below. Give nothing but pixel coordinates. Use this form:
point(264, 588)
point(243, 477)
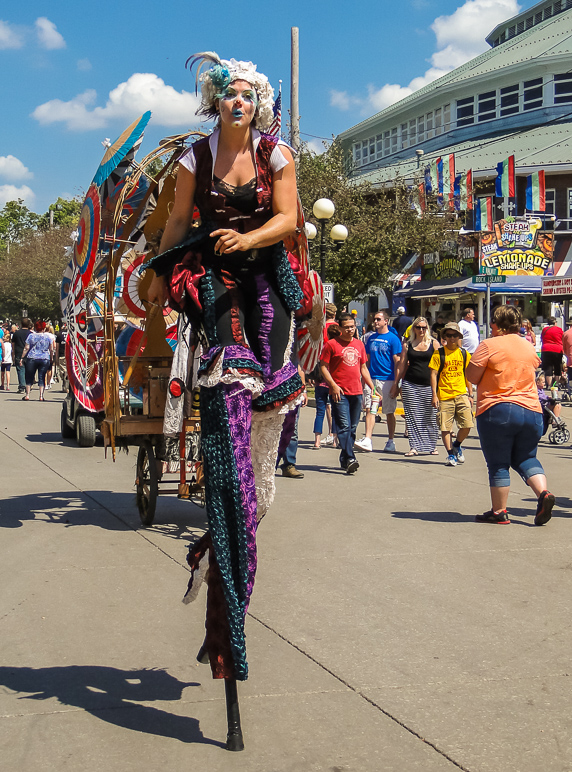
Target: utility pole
point(294, 74)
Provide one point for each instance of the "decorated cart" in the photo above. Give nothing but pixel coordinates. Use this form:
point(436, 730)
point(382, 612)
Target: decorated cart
point(120, 348)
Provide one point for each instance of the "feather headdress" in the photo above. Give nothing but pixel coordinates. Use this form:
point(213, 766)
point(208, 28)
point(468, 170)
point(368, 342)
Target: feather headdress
point(223, 72)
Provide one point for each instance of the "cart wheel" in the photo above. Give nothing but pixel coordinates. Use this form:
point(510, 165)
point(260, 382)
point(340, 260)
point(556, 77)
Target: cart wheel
point(147, 483)
point(560, 436)
point(66, 431)
point(85, 431)
point(551, 438)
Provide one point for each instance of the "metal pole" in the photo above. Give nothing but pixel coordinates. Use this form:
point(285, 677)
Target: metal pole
point(294, 106)
point(488, 328)
point(323, 250)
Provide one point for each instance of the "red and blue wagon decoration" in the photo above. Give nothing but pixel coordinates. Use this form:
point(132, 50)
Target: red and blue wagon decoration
point(87, 242)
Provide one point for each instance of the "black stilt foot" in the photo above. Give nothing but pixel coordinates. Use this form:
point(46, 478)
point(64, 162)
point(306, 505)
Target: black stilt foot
point(203, 655)
point(234, 741)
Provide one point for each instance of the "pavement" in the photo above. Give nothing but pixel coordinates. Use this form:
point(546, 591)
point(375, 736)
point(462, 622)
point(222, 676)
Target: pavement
point(387, 630)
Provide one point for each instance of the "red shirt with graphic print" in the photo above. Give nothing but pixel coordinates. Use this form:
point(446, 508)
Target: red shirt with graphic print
point(345, 361)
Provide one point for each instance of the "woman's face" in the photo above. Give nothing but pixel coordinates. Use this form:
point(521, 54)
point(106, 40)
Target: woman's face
point(238, 104)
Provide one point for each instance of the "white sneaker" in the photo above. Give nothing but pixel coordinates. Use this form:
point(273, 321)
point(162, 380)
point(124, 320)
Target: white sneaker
point(389, 447)
point(329, 440)
point(364, 444)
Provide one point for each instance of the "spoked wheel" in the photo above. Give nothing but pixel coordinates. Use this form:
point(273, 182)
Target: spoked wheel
point(559, 436)
point(147, 483)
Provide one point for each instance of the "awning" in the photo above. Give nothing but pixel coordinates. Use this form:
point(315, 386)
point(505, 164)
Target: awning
point(514, 285)
point(428, 289)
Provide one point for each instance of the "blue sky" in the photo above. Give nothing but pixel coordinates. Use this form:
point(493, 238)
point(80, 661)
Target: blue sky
point(73, 75)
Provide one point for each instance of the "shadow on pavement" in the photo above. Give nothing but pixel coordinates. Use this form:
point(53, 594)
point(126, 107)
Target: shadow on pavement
point(109, 510)
point(450, 517)
point(107, 693)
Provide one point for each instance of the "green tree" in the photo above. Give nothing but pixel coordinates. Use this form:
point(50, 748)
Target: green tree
point(65, 213)
point(16, 223)
point(383, 226)
point(31, 275)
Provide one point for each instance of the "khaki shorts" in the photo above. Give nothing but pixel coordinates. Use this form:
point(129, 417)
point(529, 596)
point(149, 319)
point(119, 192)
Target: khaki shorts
point(388, 404)
point(457, 409)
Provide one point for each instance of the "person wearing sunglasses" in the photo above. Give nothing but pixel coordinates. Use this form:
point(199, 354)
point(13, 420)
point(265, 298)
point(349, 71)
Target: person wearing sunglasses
point(415, 375)
point(452, 392)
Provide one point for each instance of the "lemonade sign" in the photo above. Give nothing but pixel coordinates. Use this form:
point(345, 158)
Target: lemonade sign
point(517, 248)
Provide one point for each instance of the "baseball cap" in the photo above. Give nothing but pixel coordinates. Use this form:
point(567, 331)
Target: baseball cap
point(401, 310)
point(353, 311)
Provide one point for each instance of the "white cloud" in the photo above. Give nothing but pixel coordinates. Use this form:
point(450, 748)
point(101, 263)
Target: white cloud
point(48, 35)
point(460, 37)
point(84, 64)
point(9, 37)
point(11, 168)
point(13, 193)
point(143, 91)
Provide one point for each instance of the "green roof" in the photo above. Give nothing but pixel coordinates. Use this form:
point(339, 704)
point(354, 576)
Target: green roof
point(548, 147)
point(551, 39)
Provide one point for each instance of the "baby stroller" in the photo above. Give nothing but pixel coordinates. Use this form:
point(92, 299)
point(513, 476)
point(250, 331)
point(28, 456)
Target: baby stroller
point(559, 434)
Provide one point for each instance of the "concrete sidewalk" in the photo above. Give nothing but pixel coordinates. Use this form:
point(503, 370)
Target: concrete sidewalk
point(387, 630)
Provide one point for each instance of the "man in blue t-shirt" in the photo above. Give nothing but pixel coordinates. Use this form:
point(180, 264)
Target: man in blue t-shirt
point(383, 349)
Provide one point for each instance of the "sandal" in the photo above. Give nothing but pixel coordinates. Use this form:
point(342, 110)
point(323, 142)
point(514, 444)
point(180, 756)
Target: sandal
point(434, 452)
point(412, 452)
point(25, 399)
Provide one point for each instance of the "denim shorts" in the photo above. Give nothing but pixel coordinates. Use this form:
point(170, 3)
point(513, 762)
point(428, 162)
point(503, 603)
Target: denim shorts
point(509, 435)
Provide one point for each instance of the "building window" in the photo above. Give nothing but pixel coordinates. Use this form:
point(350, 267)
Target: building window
point(509, 100)
point(386, 143)
point(562, 88)
point(438, 120)
point(357, 154)
point(548, 12)
point(487, 106)
point(379, 146)
point(394, 140)
point(429, 126)
point(569, 205)
point(447, 118)
point(412, 133)
point(404, 140)
point(550, 199)
point(421, 129)
point(465, 111)
point(529, 22)
point(532, 94)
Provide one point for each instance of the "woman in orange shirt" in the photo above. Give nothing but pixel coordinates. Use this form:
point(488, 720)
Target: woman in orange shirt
point(509, 416)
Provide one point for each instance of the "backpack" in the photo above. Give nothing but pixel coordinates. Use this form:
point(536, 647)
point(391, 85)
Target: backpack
point(442, 361)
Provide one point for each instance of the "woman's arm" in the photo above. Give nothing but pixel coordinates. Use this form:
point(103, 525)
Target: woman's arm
point(283, 222)
point(400, 371)
point(177, 228)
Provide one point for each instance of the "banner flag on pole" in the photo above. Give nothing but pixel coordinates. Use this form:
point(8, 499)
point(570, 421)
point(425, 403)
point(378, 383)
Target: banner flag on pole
point(459, 186)
point(276, 125)
point(428, 183)
point(505, 183)
point(440, 180)
point(536, 192)
point(449, 179)
point(434, 176)
point(469, 188)
point(421, 195)
point(484, 214)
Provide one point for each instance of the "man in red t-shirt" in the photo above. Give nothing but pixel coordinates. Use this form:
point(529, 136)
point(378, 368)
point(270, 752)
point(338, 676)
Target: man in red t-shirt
point(344, 364)
point(551, 350)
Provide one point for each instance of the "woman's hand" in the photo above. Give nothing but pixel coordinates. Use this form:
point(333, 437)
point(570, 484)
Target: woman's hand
point(157, 292)
point(231, 241)
point(394, 391)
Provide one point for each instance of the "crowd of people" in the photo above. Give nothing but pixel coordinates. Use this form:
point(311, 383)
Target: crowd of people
point(34, 349)
point(437, 370)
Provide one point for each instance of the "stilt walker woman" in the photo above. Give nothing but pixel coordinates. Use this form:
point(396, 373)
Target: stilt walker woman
point(232, 278)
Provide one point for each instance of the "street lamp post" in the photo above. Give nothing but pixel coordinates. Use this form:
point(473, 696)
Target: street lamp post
point(323, 211)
